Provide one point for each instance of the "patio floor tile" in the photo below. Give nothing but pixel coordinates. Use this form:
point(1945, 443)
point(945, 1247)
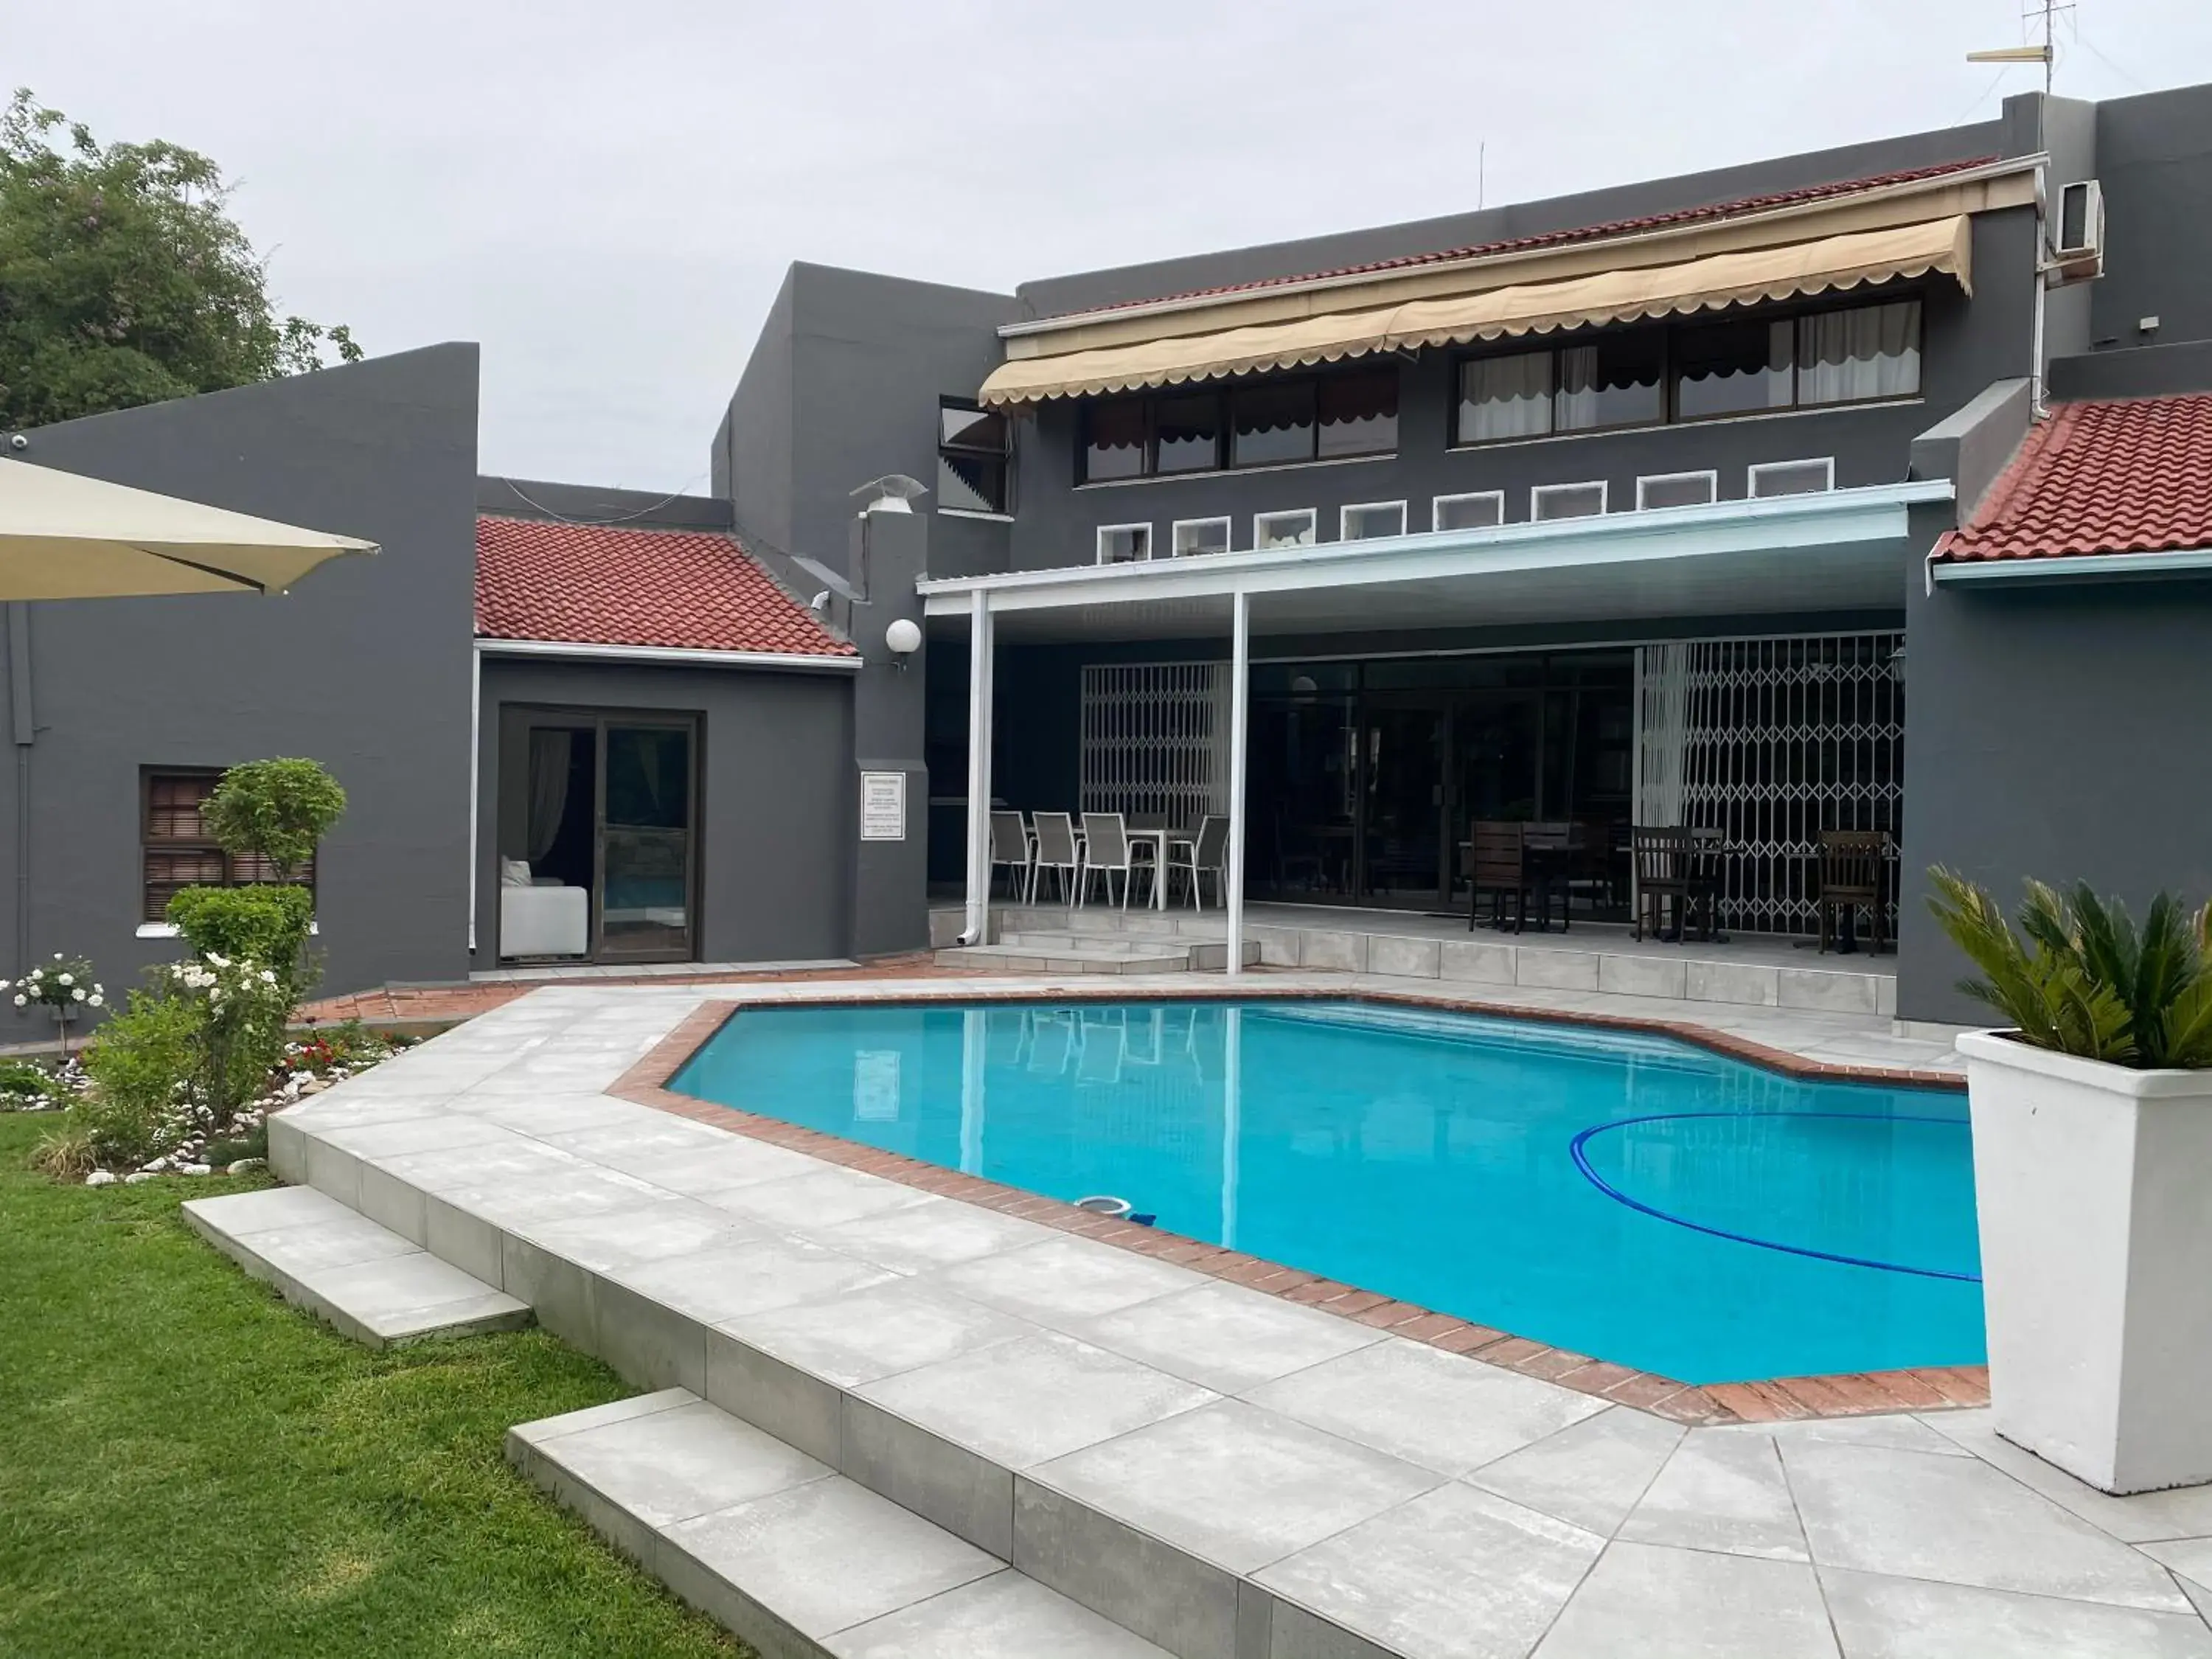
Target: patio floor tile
point(1455, 1574)
point(2184, 1512)
point(1957, 1520)
point(1235, 1484)
point(1643, 1599)
point(1003, 1615)
point(936, 1233)
point(1064, 1280)
point(769, 1271)
point(1443, 1411)
point(669, 1466)
point(878, 1331)
point(1724, 1492)
point(1880, 1617)
point(1226, 1338)
point(1591, 1473)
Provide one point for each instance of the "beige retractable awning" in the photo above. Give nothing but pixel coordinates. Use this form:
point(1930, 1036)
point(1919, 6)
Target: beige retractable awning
point(1690, 285)
point(64, 536)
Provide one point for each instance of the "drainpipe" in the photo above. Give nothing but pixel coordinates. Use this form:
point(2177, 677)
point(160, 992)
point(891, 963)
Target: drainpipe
point(25, 733)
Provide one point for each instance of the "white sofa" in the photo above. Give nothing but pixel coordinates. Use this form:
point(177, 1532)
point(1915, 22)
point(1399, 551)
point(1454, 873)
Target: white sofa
point(548, 920)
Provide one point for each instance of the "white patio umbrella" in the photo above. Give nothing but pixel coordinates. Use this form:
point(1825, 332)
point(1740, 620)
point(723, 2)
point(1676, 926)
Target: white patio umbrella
point(65, 537)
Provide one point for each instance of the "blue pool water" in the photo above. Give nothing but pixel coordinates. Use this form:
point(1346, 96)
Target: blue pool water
point(1633, 1198)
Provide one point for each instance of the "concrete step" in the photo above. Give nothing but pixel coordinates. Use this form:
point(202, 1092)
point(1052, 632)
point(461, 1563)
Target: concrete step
point(1096, 957)
point(370, 1283)
point(1201, 953)
point(793, 1557)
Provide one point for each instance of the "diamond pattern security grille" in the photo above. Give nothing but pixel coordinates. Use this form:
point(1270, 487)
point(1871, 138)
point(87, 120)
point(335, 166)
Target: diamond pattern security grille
point(1155, 739)
point(1784, 739)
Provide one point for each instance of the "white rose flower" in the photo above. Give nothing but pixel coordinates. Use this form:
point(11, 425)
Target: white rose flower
point(96, 1000)
point(20, 999)
point(78, 995)
point(66, 979)
point(57, 956)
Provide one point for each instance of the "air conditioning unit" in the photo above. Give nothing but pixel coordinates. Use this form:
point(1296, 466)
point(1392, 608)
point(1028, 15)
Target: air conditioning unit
point(2078, 239)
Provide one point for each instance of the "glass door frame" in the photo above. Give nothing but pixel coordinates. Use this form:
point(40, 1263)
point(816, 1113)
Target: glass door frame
point(523, 717)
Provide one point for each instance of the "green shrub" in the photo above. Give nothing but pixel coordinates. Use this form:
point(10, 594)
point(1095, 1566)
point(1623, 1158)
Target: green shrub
point(142, 1065)
point(276, 810)
point(22, 1083)
point(264, 924)
point(2087, 981)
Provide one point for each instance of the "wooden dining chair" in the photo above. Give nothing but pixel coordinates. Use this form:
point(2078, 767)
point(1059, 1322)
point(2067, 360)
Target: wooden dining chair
point(1854, 866)
point(1497, 864)
point(1660, 855)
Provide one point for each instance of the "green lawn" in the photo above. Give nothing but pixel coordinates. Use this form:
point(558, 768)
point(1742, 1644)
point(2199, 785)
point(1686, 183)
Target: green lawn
point(189, 1467)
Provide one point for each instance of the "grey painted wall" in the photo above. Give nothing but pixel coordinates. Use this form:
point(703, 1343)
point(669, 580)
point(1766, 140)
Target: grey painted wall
point(2056, 733)
point(2154, 159)
point(888, 552)
point(365, 666)
point(633, 509)
point(777, 816)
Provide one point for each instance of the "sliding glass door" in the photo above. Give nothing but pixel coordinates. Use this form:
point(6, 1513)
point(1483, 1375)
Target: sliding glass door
point(646, 843)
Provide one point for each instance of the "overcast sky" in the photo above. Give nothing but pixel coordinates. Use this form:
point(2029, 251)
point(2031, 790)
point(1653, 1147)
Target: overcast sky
point(606, 195)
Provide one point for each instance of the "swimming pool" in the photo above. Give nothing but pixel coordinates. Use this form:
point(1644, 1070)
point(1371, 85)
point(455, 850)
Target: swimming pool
point(1631, 1197)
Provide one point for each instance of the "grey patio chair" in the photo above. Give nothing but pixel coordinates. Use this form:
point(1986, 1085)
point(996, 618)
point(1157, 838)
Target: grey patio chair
point(1010, 849)
point(1056, 851)
point(1195, 855)
point(1107, 852)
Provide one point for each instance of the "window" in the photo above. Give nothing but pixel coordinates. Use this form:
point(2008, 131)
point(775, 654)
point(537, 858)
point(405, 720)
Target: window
point(1294, 528)
point(1792, 478)
point(1364, 522)
point(1691, 371)
point(1734, 368)
point(1570, 501)
point(1114, 445)
point(1477, 511)
point(1192, 535)
point(1124, 543)
point(176, 849)
point(1869, 352)
point(1676, 490)
point(1279, 421)
point(973, 448)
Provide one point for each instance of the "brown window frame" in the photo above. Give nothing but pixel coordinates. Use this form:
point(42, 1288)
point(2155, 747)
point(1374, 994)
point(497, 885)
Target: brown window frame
point(1224, 397)
point(227, 871)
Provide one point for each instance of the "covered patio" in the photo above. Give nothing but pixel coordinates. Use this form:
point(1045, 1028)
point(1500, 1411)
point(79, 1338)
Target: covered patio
point(1367, 712)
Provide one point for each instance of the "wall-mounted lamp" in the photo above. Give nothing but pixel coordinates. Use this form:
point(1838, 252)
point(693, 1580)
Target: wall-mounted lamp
point(901, 639)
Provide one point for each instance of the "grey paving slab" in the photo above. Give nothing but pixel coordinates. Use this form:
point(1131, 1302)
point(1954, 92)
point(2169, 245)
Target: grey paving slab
point(1225, 1337)
point(1022, 1402)
point(667, 1466)
point(1882, 1618)
point(1446, 1413)
point(388, 1140)
point(822, 1557)
point(1237, 1485)
point(2184, 1512)
point(934, 1232)
point(1643, 1599)
point(668, 1226)
point(1145, 1585)
point(1456, 1573)
point(401, 1298)
point(515, 1201)
point(1899, 1431)
point(1591, 1473)
point(1724, 1492)
point(771, 1271)
point(821, 1198)
point(1066, 1280)
point(858, 1336)
point(594, 1417)
point(1005, 1616)
point(1958, 1520)
point(540, 1116)
point(711, 1172)
point(336, 1241)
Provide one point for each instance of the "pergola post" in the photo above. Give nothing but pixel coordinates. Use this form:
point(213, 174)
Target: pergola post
point(1240, 718)
point(980, 652)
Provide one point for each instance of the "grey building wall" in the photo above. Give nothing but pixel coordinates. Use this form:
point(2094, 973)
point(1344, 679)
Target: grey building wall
point(2154, 160)
point(2056, 733)
point(777, 814)
point(365, 666)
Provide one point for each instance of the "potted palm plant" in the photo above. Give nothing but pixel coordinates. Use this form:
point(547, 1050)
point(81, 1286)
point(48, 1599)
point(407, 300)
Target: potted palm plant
point(2093, 1178)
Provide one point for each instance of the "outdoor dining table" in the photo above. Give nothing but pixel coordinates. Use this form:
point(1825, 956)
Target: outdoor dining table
point(1158, 831)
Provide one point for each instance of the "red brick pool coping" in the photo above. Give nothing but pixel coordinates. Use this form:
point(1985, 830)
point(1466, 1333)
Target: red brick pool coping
point(1783, 1399)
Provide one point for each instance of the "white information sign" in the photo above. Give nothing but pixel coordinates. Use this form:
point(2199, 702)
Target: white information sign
point(883, 807)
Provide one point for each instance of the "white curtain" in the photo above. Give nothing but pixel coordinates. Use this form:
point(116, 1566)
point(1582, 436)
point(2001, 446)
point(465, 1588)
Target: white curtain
point(1870, 351)
point(1505, 397)
point(1663, 701)
point(1578, 388)
point(549, 787)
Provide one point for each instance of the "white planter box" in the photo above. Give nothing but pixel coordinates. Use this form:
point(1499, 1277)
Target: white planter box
point(2094, 1184)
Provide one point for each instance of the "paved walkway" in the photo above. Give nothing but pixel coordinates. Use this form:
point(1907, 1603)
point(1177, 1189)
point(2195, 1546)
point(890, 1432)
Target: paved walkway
point(1353, 1491)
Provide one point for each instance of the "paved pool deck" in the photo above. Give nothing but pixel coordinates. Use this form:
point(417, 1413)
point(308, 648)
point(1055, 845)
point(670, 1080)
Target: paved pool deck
point(1228, 1473)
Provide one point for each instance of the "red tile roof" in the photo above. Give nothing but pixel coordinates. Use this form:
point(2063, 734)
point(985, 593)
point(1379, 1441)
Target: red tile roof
point(2127, 476)
point(608, 584)
point(1736, 208)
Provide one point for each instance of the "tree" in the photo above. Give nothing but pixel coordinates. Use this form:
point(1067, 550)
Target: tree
point(123, 281)
point(274, 810)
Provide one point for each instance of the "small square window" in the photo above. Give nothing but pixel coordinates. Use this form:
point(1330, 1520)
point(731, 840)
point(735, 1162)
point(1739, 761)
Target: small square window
point(1792, 478)
point(1371, 519)
point(1194, 536)
point(1569, 501)
point(177, 849)
point(1676, 490)
point(1124, 543)
point(1294, 528)
point(973, 449)
point(1481, 510)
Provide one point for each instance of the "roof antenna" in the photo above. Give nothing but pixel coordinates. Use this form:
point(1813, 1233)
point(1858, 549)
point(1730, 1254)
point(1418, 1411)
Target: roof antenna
point(1481, 154)
point(2048, 11)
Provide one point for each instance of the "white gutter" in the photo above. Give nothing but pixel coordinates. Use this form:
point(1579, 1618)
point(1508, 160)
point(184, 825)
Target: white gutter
point(1874, 513)
point(793, 661)
point(2086, 567)
point(1218, 297)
